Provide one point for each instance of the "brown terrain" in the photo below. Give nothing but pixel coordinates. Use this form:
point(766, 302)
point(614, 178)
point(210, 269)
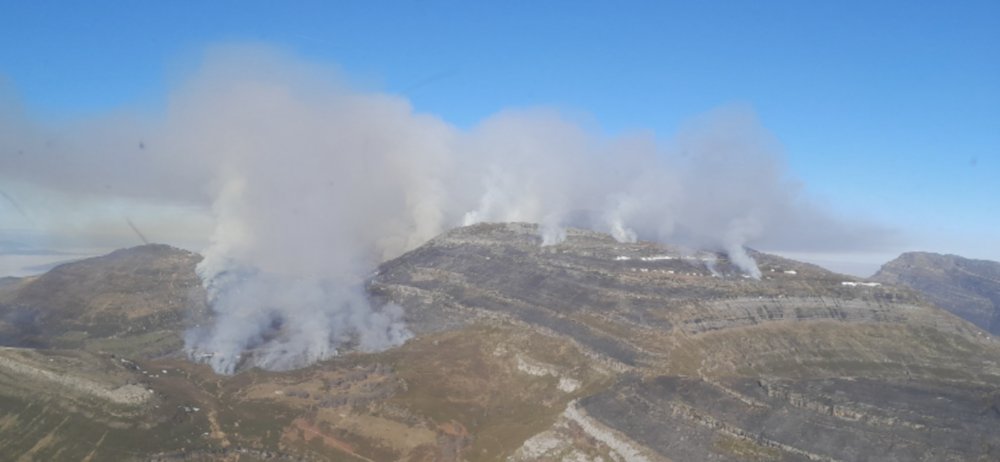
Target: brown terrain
point(586, 351)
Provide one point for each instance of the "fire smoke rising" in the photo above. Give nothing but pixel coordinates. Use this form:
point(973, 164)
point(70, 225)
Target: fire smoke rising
point(312, 184)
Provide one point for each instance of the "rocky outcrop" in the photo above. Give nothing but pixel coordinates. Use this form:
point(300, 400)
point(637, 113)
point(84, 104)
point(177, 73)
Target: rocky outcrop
point(743, 312)
point(127, 394)
point(619, 443)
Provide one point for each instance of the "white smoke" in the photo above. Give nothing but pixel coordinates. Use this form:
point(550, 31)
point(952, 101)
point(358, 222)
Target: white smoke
point(737, 233)
point(312, 183)
point(620, 206)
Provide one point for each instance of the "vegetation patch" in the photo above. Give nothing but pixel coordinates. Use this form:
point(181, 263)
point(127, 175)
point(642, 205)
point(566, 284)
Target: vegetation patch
point(745, 449)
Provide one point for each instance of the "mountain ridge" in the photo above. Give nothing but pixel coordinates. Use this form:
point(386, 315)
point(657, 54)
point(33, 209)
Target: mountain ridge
point(969, 288)
point(590, 350)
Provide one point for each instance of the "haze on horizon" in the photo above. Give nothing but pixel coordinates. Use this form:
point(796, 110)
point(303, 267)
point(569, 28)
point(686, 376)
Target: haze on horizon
point(835, 168)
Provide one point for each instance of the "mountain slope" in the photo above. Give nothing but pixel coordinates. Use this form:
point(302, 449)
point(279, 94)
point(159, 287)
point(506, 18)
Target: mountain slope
point(715, 365)
point(139, 295)
point(586, 351)
point(968, 288)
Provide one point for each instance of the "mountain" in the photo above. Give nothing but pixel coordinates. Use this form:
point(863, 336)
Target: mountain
point(803, 364)
point(131, 298)
point(586, 351)
point(968, 288)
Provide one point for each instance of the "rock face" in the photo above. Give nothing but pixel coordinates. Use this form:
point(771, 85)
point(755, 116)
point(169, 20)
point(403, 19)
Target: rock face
point(968, 288)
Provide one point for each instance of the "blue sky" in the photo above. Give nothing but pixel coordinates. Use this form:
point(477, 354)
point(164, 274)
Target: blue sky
point(888, 110)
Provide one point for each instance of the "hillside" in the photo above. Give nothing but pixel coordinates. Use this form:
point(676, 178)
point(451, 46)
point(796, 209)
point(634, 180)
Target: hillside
point(795, 366)
point(586, 351)
point(131, 298)
point(968, 288)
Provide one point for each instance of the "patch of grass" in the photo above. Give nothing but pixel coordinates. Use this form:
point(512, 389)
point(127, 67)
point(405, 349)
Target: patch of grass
point(457, 385)
point(70, 340)
point(48, 431)
point(140, 346)
point(456, 377)
point(745, 449)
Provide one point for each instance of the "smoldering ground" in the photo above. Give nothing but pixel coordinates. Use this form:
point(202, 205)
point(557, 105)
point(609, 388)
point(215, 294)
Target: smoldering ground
point(311, 183)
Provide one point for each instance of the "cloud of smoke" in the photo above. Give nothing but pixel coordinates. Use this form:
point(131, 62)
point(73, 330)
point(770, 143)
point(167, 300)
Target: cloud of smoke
point(312, 183)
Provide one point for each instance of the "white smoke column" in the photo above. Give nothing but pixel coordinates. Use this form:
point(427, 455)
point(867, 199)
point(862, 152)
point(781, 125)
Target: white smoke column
point(314, 185)
point(311, 184)
point(733, 188)
point(288, 318)
point(621, 233)
point(710, 264)
point(620, 206)
point(740, 230)
point(530, 164)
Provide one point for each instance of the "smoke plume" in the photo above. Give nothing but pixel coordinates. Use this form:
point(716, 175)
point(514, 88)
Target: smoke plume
point(312, 183)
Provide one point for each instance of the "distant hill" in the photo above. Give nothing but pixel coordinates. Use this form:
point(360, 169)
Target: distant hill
point(968, 288)
point(130, 294)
